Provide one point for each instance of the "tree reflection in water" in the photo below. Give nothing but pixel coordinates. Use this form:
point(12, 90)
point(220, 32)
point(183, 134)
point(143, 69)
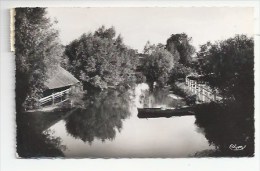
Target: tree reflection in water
point(160, 98)
point(102, 114)
point(227, 125)
point(32, 141)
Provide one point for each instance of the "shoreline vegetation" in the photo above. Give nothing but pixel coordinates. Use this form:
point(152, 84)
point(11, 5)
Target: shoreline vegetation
point(223, 123)
point(100, 60)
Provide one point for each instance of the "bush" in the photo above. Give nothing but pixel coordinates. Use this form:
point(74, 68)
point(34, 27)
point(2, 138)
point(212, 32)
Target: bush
point(179, 71)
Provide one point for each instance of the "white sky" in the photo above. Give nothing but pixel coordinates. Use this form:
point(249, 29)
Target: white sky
point(138, 25)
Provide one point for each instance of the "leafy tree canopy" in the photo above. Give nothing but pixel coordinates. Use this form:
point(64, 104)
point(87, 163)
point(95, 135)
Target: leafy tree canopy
point(101, 60)
point(179, 71)
point(157, 66)
point(37, 52)
point(179, 45)
point(231, 66)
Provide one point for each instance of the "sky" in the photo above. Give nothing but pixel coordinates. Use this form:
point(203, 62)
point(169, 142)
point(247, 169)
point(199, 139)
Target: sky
point(156, 24)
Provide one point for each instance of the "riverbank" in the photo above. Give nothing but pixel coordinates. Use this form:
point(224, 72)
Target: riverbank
point(64, 105)
point(233, 118)
point(227, 124)
point(180, 89)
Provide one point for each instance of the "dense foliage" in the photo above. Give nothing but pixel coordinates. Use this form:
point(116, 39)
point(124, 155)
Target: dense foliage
point(230, 66)
point(157, 66)
point(101, 60)
point(179, 71)
point(178, 48)
point(179, 45)
point(37, 52)
point(227, 124)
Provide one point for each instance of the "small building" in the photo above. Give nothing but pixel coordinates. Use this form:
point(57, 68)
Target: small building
point(58, 87)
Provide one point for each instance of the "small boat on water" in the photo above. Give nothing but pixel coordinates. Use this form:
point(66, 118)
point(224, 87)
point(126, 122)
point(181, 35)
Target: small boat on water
point(162, 112)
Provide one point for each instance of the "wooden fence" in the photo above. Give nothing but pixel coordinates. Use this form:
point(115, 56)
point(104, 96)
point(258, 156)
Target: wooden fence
point(203, 92)
point(55, 98)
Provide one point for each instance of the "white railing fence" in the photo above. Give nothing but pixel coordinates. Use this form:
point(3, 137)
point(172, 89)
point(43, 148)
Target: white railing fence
point(203, 92)
point(55, 98)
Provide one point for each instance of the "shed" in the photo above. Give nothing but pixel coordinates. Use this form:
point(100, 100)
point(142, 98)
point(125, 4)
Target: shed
point(61, 80)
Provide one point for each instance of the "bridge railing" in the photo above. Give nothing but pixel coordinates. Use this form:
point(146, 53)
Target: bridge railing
point(62, 95)
point(203, 92)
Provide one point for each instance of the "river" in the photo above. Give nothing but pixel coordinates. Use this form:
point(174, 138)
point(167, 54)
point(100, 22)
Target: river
point(108, 127)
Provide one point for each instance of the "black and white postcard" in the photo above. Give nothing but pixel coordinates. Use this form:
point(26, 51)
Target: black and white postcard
point(134, 82)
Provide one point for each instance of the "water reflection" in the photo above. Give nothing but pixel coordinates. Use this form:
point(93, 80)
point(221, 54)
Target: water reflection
point(105, 124)
point(32, 141)
point(161, 98)
point(109, 127)
point(225, 128)
point(101, 118)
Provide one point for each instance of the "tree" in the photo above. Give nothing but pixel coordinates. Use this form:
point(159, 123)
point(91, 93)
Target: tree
point(179, 71)
point(179, 45)
point(199, 64)
point(157, 66)
point(101, 60)
point(149, 48)
point(231, 66)
point(37, 52)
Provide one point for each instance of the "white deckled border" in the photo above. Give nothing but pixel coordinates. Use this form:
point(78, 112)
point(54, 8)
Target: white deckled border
point(12, 29)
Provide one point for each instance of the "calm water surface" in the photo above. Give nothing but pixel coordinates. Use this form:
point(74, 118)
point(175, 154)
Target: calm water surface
point(109, 127)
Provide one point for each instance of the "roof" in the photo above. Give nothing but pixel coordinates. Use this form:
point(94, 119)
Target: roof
point(61, 78)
